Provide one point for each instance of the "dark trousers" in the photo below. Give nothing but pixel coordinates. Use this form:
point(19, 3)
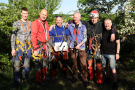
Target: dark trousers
point(16, 70)
point(83, 64)
point(64, 58)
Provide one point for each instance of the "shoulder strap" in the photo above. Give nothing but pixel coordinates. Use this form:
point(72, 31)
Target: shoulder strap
point(55, 31)
point(24, 29)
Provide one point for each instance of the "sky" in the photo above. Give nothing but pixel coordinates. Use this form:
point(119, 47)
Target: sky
point(66, 6)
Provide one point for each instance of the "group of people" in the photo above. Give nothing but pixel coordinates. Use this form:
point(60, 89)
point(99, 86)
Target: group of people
point(96, 43)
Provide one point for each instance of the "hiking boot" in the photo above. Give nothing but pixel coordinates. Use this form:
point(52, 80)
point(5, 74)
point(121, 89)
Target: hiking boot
point(90, 81)
point(107, 80)
point(100, 86)
point(25, 81)
point(73, 80)
point(115, 87)
point(53, 80)
point(15, 87)
point(47, 78)
point(67, 77)
point(41, 83)
point(86, 83)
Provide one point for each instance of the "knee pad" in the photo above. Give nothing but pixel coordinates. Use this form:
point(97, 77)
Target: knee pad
point(17, 66)
point(27, 63)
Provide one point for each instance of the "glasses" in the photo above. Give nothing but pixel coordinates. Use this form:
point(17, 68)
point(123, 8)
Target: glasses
point(58, 16)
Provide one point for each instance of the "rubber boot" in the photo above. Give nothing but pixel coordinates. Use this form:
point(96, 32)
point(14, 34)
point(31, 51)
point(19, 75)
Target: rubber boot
point(37, 74)
point(91, 71)
point(99, 74)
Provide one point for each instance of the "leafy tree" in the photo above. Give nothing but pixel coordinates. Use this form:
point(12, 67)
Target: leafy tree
point(133, 5)
point(103, 6)
point(10, 13)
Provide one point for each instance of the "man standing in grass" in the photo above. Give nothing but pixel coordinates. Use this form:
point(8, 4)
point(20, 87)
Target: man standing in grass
point(59, 39)
point(78, 37)
point(21, 47)
point(110, 52)
point(39, 38)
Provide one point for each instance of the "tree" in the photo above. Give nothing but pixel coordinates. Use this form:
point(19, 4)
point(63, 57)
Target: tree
point(128, 27)
point(133, 5)
point(103, 6)
point(10, 13)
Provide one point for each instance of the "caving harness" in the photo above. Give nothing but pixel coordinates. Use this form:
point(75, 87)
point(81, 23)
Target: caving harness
point(44, 55)
point(24, 47)
point(63, 36)
point(75, 42)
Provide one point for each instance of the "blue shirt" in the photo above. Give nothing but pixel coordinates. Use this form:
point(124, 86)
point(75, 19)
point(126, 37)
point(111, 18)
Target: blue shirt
point(82, 36)
point(59, 32)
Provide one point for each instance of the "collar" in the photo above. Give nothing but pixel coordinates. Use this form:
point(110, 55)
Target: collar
point(80, 24)
point(41, 20)
point(24, 22)
point(92, 23)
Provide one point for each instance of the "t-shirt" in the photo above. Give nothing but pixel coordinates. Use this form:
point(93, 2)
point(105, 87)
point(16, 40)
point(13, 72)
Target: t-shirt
point(59, 31)
point(108, 47)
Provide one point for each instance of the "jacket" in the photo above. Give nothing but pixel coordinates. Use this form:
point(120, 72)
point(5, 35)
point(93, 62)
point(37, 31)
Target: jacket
point(82, 36)
point(39, 32)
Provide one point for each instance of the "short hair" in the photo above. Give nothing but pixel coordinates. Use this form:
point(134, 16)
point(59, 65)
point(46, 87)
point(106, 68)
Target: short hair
point(24, 8)
point(78, 13)
point(108, 19)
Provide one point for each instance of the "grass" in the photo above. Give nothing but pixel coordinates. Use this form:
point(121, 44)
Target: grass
point(125, 76)
point(126, 79)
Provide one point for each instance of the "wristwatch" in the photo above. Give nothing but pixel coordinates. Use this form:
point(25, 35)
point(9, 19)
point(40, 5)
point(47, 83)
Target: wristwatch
point(117, 53)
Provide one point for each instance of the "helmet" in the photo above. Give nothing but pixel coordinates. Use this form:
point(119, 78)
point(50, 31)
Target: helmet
point(94, 13)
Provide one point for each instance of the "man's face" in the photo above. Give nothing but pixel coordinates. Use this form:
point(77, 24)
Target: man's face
point(76, 18)
point(43, 15)
point(94, 20)
point(107, 24)
point(24, 14)
point(59, 21)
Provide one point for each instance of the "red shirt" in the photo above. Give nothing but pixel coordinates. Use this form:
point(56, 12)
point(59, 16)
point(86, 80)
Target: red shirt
point(39, 32)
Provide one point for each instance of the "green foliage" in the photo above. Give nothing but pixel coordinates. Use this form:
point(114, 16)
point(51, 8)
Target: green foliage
point(10, 13)
point(103, 6)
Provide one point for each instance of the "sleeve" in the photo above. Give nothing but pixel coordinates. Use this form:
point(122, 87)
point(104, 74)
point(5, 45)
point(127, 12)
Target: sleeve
point(68, 36)
point(116, 36)
point(68, 40)
point(13, 36)
point(50, 38)
point(50, 41)
point(85, 35)
point(34, 32)
point(114, 27)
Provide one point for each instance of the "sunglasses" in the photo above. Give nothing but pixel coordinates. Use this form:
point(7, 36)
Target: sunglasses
point(58, 16)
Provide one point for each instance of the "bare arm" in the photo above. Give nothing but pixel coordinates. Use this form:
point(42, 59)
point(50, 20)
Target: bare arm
point(118, 48)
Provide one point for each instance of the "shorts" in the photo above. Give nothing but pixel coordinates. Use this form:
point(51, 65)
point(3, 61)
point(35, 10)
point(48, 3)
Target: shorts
point(111, 58)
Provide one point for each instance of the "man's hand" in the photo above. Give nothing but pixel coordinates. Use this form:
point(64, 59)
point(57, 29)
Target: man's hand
point(13, 52)
point(112, 37)
point(35, 53)
point(117, 56)
point(66, 25)
point(50, 29)
point(78, 46)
